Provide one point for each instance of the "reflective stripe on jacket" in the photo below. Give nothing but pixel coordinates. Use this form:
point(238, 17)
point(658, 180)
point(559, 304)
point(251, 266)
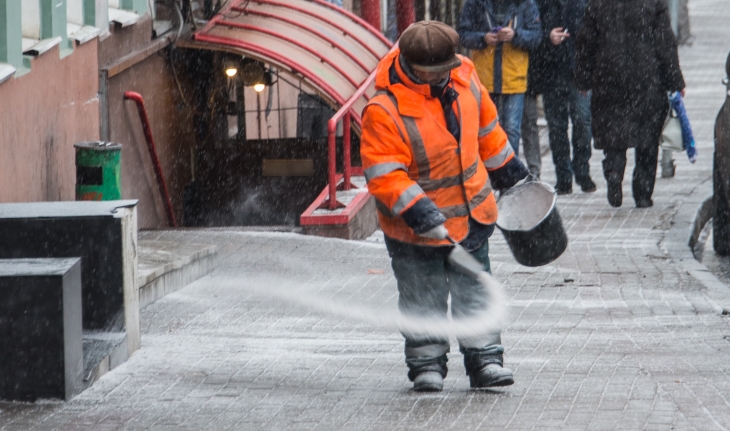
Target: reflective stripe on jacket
point(408, 153)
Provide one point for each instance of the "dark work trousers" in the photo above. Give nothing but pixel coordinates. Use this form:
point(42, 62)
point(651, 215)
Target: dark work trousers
point(561, 106)
point(424, 284)
point(531, 136)
point(642, 184)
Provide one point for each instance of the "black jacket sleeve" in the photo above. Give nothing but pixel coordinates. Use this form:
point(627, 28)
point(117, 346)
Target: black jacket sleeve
point(585, 51)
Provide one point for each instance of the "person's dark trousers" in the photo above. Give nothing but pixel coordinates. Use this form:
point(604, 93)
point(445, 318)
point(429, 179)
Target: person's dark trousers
point(424, 285)
point(509, 110)
point(531, 136)
point(644, 177)
point(561, 106)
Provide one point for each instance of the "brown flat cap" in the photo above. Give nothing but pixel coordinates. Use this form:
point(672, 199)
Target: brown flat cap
point(430, 46)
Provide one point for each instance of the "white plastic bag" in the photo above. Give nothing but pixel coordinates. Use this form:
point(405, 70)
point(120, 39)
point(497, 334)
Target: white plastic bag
point(672, 133)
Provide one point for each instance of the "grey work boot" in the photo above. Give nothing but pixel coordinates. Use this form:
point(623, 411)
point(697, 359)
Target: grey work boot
point(429, 381)
point(490, 376)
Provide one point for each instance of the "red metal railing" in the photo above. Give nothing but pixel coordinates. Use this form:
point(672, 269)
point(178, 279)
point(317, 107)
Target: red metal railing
point(146, 128)
point(343, 114)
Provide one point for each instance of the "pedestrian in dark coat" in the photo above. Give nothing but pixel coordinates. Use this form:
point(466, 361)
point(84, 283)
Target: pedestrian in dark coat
point(554, 63)
point(626, 54)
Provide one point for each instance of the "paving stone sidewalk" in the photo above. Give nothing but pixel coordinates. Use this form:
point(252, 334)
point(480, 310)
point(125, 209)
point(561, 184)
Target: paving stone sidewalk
point(615, 335)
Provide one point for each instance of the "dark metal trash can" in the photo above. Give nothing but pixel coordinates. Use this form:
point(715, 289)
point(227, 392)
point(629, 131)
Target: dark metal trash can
point(98, 171)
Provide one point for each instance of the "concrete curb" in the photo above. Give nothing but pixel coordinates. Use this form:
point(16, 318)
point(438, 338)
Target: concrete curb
point(679, 240)
point(173, 275)
point(111, 353)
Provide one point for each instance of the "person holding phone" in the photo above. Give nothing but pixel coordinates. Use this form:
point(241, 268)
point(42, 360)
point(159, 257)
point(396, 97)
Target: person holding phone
point(554, 69)
point(500, 34)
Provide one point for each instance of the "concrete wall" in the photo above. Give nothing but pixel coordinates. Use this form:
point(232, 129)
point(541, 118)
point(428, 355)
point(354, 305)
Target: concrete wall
point(42, 114)
point(171, 125)
point(172, 131)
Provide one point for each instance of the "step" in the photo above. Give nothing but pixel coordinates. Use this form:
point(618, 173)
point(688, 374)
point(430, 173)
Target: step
point(167, 266)
point(356, 219)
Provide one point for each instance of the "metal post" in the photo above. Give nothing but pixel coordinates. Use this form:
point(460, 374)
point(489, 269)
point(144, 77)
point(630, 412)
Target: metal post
point(104, 131)
point(370, 10)
point(241, 109)
point(332, 164)
point(346, 151)
point(405, 14)
point(667, 164)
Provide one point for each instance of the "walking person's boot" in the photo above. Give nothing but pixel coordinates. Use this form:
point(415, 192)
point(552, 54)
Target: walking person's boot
point(428, 378)
point(614, 165)
point(644, 176)
point(586, 184)
point(428, 381)
point(563, 189)
point(644, 203)
point(615, 194)
point(492, 375)
point(426, 360)
point(485, 370)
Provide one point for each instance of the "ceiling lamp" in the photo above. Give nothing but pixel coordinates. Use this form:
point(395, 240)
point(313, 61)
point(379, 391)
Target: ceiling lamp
point(230, 66)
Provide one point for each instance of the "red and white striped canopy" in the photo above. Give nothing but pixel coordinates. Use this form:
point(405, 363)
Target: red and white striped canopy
point(329, 47)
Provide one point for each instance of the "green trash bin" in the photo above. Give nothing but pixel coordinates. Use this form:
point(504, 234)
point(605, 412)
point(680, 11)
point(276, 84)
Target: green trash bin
point(98, 171)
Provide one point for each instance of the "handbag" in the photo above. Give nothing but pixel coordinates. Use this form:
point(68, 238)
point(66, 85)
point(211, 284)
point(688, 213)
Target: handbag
point(672, 133)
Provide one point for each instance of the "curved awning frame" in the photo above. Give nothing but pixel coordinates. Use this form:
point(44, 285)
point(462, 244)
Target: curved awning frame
point(333, 50)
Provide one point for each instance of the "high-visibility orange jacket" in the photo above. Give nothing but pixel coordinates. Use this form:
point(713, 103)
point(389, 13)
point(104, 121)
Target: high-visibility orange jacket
point(409, 154)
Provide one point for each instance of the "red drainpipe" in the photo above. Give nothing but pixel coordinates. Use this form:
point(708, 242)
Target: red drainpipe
point(370, 11)
point(147, 129)
point(405, 14)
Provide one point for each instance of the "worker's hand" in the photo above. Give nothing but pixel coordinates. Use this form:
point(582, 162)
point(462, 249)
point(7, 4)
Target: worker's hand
point(491, 39)
point(439, 232)
point(506, 34)
point(557, 36)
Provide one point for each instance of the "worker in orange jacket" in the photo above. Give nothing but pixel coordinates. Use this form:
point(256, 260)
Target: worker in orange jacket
point(433, 151)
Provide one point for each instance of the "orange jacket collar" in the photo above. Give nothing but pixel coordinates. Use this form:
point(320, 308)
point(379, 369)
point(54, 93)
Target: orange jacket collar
point(412, 96)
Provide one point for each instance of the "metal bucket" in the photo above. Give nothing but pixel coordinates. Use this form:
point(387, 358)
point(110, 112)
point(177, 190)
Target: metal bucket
point(529, 220)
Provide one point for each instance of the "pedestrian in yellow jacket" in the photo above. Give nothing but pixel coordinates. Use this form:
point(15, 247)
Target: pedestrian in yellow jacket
point(433, 151)
point(500, 34)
